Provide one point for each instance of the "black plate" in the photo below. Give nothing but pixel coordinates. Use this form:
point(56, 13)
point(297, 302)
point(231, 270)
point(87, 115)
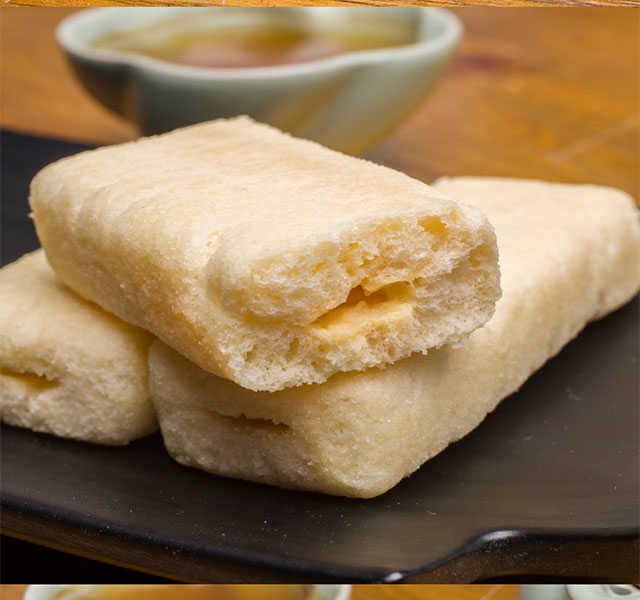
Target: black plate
point(547, 485)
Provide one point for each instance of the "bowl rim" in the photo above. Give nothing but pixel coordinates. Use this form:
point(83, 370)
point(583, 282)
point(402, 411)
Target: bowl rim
point(600, 592)
point(44, 591)
point(443, 42)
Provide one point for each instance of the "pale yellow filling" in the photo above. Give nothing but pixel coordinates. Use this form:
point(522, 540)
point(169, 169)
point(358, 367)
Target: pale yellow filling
point(27, 382)
point(361, 309)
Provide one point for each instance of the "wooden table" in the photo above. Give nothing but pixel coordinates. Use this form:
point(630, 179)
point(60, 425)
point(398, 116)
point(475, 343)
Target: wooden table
point(378, 592)
point(502, 3)
point(540, 93)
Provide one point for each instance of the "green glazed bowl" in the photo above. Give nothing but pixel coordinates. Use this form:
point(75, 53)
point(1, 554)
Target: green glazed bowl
point(578, 592)
point(319, 592)
point(347, 102)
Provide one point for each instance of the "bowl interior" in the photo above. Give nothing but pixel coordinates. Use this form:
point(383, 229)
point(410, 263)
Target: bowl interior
point(77, 34)
point(321, 592)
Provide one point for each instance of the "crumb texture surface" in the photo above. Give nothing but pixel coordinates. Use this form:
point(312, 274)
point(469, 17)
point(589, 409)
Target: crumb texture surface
point(66, 366)
point(569, 254)
point(265, 259)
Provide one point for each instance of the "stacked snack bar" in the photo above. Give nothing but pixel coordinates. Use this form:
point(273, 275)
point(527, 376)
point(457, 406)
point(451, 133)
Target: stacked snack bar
point(322, 322)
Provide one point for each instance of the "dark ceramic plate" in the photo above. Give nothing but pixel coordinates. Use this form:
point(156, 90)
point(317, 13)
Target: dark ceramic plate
point(547, 485)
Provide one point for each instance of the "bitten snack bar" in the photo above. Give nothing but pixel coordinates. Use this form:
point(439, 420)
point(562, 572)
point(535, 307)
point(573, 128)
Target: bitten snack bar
point(66, 366)
point(569, 254)
point(265, 259)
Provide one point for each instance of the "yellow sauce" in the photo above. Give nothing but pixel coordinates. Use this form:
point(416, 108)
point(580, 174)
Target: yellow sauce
point(255, 44)
point(188, 592)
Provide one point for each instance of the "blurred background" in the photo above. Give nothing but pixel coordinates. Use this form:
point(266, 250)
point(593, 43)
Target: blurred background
point(551, 94)
point(378, 592)
point(367, 592)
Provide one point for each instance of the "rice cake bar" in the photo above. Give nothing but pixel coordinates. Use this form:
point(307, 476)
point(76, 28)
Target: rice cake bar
point(66, 366)
point(568, 253)
point(267, 260)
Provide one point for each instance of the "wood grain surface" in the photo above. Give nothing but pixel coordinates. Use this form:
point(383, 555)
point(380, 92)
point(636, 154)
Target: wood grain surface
point(502, 3)
point(379, 592)
point(542, 93)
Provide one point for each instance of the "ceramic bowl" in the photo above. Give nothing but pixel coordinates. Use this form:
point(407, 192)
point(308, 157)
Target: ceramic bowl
point(321, 592)
point(578, 592)
point(348, 101)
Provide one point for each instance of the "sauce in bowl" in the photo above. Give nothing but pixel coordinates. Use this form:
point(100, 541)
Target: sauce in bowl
point(188, 592)
point(254, 43)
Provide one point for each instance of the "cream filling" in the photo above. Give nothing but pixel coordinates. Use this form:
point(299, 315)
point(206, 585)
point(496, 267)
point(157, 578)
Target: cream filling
point(360, 309)
point(27, 382)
